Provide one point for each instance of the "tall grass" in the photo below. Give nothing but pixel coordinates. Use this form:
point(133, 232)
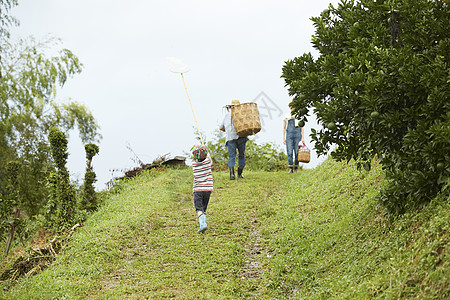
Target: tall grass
point(313, 235)
point(332, 241)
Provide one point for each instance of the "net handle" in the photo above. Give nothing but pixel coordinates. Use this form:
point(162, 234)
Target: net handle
point(192, 108)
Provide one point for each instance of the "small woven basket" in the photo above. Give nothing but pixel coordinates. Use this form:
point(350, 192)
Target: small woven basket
point(304, 155)
point(246, 119)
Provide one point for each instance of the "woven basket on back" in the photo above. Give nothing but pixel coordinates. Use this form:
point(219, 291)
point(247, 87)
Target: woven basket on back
point(304, 155)
point(245, 119)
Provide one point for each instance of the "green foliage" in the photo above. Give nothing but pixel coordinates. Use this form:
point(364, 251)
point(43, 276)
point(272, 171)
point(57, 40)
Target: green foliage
point(5, 19)
point(51, 206)
point(380, 88)
point(28, 109)
point(88, 194)
point(91, 150)
point(10, 198)
point(62, 204)
point(265, 157)
point(5, 214)
point(30, 88)
point(58, 142)
point(77, 114)
point(217, 150)
point(29, 79)
point(13, 168)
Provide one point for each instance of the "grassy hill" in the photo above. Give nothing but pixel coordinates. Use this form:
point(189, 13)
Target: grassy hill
point(317, 234)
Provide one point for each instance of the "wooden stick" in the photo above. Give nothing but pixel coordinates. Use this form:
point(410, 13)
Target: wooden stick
point(198, 129)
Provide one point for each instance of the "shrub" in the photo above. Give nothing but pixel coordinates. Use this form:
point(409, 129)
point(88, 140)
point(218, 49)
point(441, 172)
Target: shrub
point(88, 194)
point(264, 156)
point(380, 88)
point(62, 201)
point(10, 198)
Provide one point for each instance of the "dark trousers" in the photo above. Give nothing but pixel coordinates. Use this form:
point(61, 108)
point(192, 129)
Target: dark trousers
point(201, 200)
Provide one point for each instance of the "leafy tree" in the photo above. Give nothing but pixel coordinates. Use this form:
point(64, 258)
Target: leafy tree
point(62, 204)
point(28, 108)
point(6, 20)
point(88, 194)
point(10, 199)
point(29, 79)
point(380, 88)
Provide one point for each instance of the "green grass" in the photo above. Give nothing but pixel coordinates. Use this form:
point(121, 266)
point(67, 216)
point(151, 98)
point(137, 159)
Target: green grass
point(313, 235)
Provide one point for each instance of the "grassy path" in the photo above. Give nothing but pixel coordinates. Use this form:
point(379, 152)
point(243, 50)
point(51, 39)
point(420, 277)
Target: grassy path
point(143, 243)
point(317, 234)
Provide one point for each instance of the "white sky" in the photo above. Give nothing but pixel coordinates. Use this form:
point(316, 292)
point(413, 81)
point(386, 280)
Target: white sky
point(235, 50)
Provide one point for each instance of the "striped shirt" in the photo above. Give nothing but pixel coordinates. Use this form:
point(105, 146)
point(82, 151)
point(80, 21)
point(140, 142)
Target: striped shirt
point(203, 180)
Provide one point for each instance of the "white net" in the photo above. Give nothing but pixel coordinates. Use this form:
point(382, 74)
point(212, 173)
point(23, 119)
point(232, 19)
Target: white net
point(177, 66)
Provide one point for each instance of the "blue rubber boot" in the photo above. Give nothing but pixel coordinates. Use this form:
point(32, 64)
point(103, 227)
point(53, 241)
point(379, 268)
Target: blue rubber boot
point(202, 221)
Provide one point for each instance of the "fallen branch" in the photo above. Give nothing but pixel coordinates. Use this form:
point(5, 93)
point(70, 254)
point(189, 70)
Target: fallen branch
point(37, 259)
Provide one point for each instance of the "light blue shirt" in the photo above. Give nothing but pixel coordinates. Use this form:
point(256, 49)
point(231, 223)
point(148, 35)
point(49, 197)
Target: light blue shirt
point(229, 128)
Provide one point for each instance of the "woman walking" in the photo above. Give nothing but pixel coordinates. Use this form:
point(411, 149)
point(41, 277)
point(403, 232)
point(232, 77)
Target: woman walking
point(292, 135)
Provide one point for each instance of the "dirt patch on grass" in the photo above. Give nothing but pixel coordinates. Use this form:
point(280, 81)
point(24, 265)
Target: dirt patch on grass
point(252, 253)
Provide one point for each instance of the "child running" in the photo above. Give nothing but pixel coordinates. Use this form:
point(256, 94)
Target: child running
point(203, 183)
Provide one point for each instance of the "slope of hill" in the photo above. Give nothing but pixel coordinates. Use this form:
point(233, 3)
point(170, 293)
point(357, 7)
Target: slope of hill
point(312, 235)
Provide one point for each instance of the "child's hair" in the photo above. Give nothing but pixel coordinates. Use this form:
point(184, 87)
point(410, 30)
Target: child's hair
point(199, 152)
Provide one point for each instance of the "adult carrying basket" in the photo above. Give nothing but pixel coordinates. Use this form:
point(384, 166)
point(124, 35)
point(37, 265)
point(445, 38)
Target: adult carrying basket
point(304, 154)
point(246, 119)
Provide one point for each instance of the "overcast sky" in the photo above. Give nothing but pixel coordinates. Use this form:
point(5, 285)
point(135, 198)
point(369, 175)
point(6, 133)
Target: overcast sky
point(235, 50)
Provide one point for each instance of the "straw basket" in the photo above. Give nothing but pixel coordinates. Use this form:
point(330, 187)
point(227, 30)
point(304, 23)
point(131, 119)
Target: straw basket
point(304, 154)
point(245, 119)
